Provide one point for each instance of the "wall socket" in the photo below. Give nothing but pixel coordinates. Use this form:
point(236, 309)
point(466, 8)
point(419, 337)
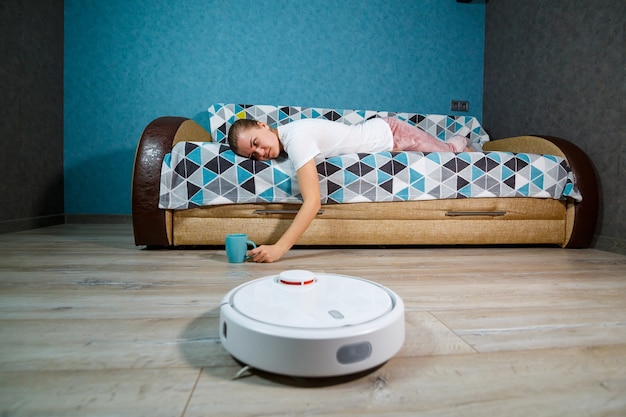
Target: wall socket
point(459, 105)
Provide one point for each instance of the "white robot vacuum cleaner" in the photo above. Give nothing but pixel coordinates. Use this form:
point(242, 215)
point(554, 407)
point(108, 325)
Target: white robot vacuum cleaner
point(312, 325)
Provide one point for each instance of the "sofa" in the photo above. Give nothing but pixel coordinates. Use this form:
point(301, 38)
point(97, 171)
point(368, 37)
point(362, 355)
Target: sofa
point(461, 220)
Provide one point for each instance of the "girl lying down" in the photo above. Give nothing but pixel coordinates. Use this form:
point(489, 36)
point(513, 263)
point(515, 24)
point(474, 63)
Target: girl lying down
point(305, 139)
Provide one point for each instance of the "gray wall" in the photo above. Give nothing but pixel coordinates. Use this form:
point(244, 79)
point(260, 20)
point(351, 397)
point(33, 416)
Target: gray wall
point(31, 129)
point(556, 67)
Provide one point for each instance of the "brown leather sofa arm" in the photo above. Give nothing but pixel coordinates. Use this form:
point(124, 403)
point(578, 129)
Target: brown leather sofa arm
point(586, 211)
point(148, 220)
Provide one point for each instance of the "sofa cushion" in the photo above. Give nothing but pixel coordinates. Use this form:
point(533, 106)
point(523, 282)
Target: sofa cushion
point(207, 173)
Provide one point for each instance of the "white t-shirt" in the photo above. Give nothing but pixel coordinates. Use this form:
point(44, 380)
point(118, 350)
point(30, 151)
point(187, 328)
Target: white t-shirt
point(305, 139)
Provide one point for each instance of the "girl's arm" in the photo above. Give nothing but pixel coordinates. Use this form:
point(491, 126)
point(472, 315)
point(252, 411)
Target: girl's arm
point(310, 190)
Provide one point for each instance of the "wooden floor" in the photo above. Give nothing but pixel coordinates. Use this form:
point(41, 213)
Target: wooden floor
point(90, 325)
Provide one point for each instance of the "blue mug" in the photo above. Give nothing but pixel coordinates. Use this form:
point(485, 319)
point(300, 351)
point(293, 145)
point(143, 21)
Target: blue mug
point(237, 246)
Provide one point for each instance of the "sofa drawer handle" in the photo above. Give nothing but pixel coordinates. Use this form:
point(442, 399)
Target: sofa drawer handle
point(476, 213)
point(293, 211)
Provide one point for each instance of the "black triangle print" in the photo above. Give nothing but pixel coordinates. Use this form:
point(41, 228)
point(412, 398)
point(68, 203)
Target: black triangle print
point(261, 166)
point(510, 164)
point(482, 164)
point(248, 165)
point(489, 164)
point(190, 147)
point(332, 115)
point(249, 186)
point(330, 169)
point(451, 165)
point(185, 168)
point(355, 169)
point(180, 168)
point(224, 164)
point(321, 168)
point(252, 166)
point(387, 168)
point(461, 182)
point(461, 164)
point(365, 169)
point(510, 182)
point(387, 186)
point(213, 166)
point(521, 163)
point(332, 187)
point(398, 166)
point(192, 189)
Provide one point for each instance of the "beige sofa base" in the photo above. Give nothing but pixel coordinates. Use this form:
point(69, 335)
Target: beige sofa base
point(436, 222)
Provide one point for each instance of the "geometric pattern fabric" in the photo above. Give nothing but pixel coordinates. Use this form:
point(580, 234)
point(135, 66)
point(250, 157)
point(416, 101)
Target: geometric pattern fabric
point(208, 173)
point(222, 116)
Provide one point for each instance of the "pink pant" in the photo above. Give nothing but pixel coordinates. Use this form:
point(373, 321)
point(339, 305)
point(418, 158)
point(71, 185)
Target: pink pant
point(407, 137)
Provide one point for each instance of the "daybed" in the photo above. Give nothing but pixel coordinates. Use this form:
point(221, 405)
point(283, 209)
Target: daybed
point(400, 208)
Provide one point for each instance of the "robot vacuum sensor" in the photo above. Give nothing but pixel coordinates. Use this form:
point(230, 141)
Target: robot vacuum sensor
point(307, 324)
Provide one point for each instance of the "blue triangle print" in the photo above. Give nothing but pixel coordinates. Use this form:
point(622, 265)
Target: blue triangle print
point(349, 177)
point(403, 194)
point(538, 181)
point(285, 186)
point(337, 195)
point(415, 176)
point(419, 185)
point(524, 190)
point(280, 176)
point(383, 177)
point(569, 188)
point(465, 156)
point(494, 156)
point(230, 156)
point(477, 173)
point(434, 156)
point(197, 198)
point(524, 157)
point(466, 191)
point(243, 175)
point(402, 157)
point(208, 176)
point(506, 172)
point(267, 195)
point(195, 156)
point(370, 160)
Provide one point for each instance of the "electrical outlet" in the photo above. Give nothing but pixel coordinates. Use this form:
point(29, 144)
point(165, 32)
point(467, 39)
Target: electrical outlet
point(459, 105)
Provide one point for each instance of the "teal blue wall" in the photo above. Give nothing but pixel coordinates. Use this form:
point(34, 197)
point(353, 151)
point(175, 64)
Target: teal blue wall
point(130, 61)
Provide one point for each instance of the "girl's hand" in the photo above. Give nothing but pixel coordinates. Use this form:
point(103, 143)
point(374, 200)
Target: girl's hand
point(266, 253)
point(310, 189)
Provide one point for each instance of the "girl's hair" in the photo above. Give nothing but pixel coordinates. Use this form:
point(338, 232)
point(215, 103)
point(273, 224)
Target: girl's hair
point(238, 126)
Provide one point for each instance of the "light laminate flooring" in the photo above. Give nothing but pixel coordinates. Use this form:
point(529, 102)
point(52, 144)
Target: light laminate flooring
point(91, 325)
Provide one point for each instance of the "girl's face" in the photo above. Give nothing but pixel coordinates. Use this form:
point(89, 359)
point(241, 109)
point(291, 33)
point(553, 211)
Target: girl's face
point(260, 143)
